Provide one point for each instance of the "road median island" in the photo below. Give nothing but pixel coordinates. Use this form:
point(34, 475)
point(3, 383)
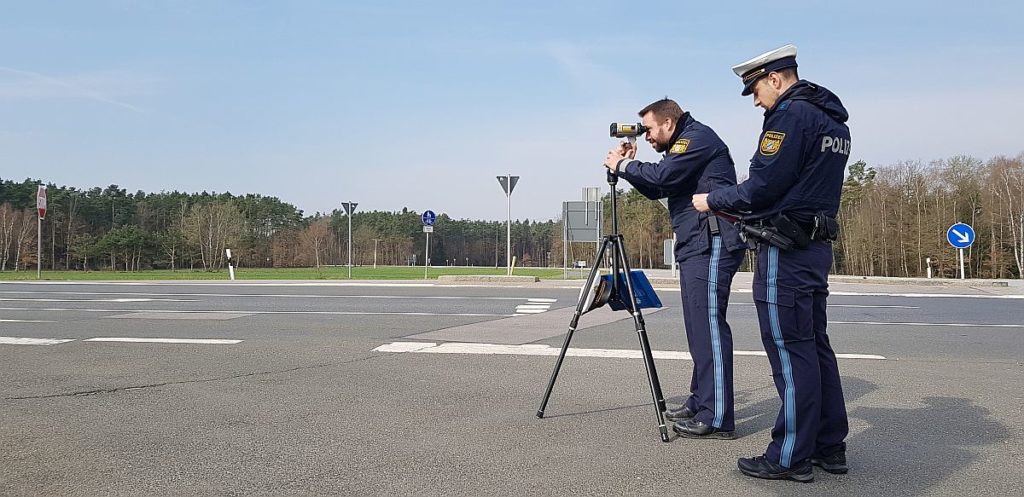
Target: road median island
point(469, 278)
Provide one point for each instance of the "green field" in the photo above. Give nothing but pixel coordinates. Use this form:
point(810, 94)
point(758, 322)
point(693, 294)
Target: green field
point(325, 273)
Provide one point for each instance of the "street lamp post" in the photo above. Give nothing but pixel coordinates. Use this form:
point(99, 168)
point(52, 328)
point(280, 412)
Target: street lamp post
point(350, 208)
point(508, 183)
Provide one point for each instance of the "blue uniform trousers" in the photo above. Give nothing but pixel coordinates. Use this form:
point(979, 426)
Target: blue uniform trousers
point(704, 282)
point(790, 291)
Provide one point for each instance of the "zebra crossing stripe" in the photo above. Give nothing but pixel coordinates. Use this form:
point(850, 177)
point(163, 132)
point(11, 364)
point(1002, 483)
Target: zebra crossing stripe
point(535, 306)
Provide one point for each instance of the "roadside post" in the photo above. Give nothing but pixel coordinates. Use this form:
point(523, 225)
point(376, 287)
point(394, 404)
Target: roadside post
point(231, 265)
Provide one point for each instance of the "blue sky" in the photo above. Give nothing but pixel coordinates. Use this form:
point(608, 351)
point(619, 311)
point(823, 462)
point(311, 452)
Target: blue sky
point(421, 104)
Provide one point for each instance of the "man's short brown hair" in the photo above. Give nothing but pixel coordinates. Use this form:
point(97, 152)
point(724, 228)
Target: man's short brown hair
point(789, 73)
point(664, 108)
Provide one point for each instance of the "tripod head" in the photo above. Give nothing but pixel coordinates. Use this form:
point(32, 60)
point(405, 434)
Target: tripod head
point(629, 132)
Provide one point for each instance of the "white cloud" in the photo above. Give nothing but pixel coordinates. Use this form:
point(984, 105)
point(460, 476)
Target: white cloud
point(104, 86)
point(586, 74)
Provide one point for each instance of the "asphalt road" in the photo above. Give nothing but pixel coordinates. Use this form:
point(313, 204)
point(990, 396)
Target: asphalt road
point(364, 389)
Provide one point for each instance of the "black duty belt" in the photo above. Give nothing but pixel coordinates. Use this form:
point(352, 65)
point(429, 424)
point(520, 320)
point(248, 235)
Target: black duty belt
point(785, 232)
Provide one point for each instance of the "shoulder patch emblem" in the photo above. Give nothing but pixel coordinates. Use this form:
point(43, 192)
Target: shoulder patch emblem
point(680, 146)
point(772, 142)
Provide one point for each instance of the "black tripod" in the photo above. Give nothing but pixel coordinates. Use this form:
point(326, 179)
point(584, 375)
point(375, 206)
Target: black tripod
point(619, 264)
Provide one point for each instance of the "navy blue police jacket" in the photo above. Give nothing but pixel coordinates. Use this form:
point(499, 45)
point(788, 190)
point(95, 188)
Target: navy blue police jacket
point(697, 161)
point(800, 162)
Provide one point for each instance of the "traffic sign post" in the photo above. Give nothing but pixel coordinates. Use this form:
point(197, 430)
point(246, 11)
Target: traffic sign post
point(41, 206)
point(508, 183)
point(428, 228)
point(960, 236)
point(350, 208)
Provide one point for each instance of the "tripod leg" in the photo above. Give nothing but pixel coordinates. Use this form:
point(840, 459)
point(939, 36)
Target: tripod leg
point(645, 346)
point(581, 305)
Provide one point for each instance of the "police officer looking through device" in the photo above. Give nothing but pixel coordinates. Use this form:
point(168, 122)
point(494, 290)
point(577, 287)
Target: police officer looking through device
point(709, 253)
point(792, 194)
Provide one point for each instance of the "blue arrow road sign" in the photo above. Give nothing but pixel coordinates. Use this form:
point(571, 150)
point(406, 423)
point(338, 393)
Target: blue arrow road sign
point(960, 235)
point(428, 218)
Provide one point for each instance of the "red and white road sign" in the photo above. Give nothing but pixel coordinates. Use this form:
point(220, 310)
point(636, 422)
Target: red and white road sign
point(41, 202)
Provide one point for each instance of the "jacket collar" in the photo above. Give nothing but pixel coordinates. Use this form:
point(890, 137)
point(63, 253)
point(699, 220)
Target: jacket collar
point(684, 122)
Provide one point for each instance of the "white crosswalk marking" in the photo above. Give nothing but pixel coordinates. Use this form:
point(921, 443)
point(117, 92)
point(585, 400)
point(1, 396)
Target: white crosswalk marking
point(535, 306)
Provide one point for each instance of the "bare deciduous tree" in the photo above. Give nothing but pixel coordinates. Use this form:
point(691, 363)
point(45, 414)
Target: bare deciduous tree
point(211, 227)
point(315, 238)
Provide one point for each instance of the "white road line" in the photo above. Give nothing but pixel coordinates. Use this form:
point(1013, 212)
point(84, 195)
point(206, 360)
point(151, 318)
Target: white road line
point(207, 283)
point(857, 306)
point(761, 353)
point(331, 313)
point(954, 325)
point(25, 321)
point(201, 341)
point(927, 295)
point(546, 350)
point(286, 295)
point(856, 294)
point(33, 341)
point(116, 301)
point(533, 306)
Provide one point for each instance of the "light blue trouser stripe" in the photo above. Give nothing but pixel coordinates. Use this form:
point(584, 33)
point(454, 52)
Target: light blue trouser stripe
point(716, 341)
point(789, 402)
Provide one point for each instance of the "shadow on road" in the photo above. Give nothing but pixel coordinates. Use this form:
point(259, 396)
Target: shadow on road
point(903, 451)
point(908, 451)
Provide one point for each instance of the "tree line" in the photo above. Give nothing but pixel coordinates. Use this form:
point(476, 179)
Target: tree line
point(894, 218)
point(112, 229)
point(893, 222)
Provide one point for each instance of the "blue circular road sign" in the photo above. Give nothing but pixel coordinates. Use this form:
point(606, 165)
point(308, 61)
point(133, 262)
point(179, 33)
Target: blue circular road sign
point(960, 235)
point(428, 218)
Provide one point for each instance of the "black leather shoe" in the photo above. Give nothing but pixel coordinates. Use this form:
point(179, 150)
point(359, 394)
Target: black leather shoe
point(679, 413)
point(761, 467)
point(691, 428)
point(834, 463)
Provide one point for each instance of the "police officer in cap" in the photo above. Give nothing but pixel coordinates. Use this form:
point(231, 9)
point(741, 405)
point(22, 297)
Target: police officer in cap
point(709, 253)
point(793, 190)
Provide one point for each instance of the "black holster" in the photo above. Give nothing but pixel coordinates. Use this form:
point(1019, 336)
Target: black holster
point(825, 228)
point(789, 228)
point(767, 234)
